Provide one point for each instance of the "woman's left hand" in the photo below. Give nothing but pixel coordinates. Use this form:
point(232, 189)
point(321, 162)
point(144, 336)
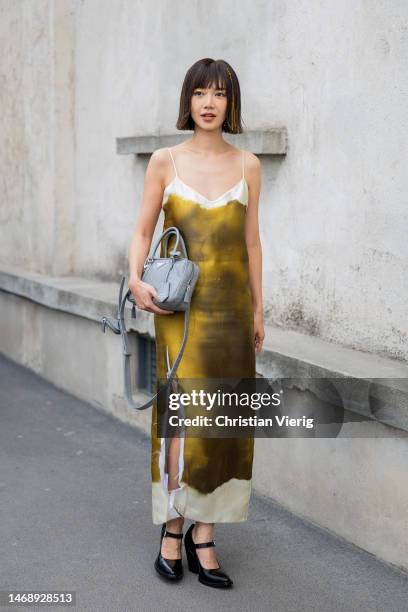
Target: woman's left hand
point(259, 331)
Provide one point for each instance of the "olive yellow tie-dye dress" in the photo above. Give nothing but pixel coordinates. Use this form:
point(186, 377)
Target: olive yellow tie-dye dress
point(214, 474)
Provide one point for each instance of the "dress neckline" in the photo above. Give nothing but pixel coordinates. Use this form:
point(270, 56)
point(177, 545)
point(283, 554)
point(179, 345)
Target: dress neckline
point(176, 177)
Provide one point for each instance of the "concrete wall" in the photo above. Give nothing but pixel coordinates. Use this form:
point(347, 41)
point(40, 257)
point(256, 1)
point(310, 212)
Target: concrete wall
point(77, 74)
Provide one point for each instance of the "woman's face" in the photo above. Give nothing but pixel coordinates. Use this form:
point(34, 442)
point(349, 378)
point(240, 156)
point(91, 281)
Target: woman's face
point(211, 102)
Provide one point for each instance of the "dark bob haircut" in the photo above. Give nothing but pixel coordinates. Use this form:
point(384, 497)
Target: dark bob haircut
point(203, 74)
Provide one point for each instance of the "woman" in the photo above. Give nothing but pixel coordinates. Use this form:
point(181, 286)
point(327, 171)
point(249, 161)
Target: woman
point(204, 479)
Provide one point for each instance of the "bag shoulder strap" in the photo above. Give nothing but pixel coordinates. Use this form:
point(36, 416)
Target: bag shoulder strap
point(170, 374)
point(118, 326)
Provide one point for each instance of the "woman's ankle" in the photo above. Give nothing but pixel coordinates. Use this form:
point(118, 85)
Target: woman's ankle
point(175, 525)
point(203, 532)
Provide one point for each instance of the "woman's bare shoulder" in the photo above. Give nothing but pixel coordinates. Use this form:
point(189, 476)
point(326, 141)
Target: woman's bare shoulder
point(252, 168)
point(252, 162)
point(158, 166)
point(160, 157)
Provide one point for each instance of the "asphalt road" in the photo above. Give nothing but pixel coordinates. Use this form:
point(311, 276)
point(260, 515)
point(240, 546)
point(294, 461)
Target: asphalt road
point(76, 516)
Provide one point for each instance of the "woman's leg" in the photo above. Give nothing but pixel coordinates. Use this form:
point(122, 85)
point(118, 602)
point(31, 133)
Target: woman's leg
point(171, 548)
point(204, 532)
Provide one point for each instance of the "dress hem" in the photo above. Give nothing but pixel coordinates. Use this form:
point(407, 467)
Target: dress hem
point(228, 503)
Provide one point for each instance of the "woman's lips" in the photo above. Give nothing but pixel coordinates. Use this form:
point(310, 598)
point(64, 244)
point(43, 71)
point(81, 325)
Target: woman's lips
point(208, 117)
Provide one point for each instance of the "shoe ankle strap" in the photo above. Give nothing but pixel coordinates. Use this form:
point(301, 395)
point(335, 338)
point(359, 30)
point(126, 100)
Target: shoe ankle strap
point(204, 544)
point(169, 534)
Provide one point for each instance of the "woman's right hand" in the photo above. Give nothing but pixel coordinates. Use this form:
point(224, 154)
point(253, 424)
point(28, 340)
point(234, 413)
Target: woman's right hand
point(143, 294)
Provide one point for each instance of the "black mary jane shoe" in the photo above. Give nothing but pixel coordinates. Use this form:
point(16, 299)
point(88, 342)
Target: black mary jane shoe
point(210, 577)
point(172, 569)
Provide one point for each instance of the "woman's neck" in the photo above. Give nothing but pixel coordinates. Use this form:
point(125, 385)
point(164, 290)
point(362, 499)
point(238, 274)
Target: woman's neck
point(208, 142)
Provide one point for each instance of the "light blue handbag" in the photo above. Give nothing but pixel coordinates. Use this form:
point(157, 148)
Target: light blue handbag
point(174, 277)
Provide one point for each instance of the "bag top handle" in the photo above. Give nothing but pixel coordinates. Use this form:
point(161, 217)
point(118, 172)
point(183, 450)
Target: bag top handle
point(179, 239)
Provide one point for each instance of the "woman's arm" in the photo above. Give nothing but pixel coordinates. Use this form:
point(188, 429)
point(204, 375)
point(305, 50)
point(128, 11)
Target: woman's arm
point(253, 242)
point(149, 212)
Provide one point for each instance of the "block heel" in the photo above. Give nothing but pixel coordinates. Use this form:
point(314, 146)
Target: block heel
point(191, 561)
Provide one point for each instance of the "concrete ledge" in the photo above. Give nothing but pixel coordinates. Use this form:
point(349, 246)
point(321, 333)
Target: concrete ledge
point(286, 353)
point(90, 299)
point(267, 142)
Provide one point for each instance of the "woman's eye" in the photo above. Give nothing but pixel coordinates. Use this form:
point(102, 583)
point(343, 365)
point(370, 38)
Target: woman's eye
point(219, 93)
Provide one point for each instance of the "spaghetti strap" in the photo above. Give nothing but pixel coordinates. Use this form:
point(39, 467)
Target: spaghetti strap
point(172, 159)
point(243, 161)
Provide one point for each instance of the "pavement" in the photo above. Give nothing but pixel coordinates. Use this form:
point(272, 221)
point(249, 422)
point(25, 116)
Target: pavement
point(75, 515)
